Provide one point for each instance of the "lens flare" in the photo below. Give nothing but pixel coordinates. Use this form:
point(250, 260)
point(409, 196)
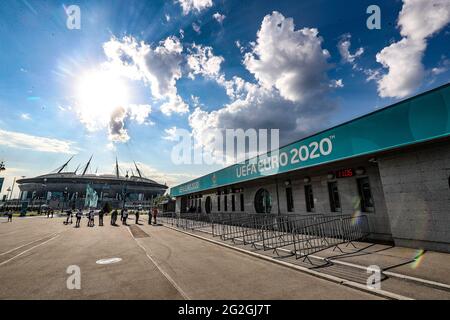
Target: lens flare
point(418, 258)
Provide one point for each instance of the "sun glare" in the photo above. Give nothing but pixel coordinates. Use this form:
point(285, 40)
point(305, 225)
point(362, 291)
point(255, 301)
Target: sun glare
point(101, 92)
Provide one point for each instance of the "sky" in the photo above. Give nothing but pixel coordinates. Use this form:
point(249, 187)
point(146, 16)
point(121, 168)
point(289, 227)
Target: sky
point(135, 72)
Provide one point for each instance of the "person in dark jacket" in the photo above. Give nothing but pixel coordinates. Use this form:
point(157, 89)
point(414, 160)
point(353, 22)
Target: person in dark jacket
point(78, 215)
point(137, 216)
point(114, 217)
point(101, 213)
point(69, 216)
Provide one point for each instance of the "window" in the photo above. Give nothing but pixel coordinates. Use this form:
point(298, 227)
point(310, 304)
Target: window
point(365, 195)
point(242, 201)
point(233, 203)
point(289, 199)
point(335, 203)
point(199, 209)
point(263, 201)
point(218, 203)
point(309, 197)
point(225, 203)
point(208, 205)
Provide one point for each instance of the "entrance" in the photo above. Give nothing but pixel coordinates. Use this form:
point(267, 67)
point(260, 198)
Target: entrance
point(208, 205)
point(263, 201)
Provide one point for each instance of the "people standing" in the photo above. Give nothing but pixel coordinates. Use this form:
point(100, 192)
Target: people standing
point(150, 216)
point(69, 216)
point(101, 213)
point(113, 217)
point(137, 216)
point(10, 215)
point(155, 213)
point(78, 215)
point(91, 218)
point(125, 217)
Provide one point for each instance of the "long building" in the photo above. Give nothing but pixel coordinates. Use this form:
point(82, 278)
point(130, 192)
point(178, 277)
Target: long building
point(392, 165)
point(63, 188)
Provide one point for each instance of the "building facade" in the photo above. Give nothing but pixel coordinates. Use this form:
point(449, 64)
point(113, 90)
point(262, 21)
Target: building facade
point(392, 165)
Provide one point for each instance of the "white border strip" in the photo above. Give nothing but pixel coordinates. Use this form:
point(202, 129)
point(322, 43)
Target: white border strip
point(174, 284)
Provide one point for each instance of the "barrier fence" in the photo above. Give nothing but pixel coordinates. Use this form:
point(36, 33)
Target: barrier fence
point(300, 235)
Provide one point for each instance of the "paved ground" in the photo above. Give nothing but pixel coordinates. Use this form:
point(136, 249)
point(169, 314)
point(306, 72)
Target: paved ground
point(157, 263)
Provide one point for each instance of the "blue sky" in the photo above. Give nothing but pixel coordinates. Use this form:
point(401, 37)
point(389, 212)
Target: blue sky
point(303, 66)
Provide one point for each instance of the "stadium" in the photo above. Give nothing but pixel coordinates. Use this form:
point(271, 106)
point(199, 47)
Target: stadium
point(63, 189)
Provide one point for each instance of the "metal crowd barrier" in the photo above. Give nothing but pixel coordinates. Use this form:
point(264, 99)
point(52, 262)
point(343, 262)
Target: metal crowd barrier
point(326, 234)
point(306, 234)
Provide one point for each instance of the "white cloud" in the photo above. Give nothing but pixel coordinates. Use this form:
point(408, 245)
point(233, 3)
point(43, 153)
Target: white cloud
point(344, 49)
point(171, 134)
point(149, 172)
point(20, 140)
point(337, 83)
point(25, 116)
point(174, 105)
point(438, 70)
point(290, 95)
point(418, 21)
point(196, 28)
point(117, 127)
point(140, 112)
point(202, 61)
point(160, 67)
point(290, 60)
point(219, 17)
point(194, 5)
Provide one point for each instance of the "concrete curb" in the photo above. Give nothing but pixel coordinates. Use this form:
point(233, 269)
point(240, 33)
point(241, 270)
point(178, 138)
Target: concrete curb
point(347, 283)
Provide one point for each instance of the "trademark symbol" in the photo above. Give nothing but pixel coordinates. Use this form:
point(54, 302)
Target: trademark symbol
point(332, 137)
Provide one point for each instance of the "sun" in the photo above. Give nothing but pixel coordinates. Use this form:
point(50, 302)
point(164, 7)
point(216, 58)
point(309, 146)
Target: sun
point(101, 92)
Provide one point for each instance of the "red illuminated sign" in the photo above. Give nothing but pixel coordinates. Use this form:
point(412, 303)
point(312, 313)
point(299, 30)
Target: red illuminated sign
point(345, 173)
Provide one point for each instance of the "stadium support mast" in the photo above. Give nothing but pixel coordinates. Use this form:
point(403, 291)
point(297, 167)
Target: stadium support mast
point(137, 169)
point(87, 166)
point(117, 169)
point(60, 169)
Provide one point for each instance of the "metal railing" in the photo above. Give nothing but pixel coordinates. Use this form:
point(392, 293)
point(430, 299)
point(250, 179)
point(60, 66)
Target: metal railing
point(300, 235)
point(313, 238)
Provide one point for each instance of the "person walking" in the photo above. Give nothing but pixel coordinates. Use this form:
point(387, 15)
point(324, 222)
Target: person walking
point(10, 215)
point(101, 213)
point(150, 216)
point(78, 215)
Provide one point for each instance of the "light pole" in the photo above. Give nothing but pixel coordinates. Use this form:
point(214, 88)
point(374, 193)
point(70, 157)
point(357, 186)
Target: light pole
point(8, 196)
point(64, 199)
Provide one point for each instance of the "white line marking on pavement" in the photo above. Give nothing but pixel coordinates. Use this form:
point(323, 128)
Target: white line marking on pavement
point(40, 244)
point(169, 278)
point(108, 261)
point(26, 244)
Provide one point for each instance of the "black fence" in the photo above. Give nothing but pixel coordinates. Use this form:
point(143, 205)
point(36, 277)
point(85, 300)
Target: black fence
point(299, 235)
